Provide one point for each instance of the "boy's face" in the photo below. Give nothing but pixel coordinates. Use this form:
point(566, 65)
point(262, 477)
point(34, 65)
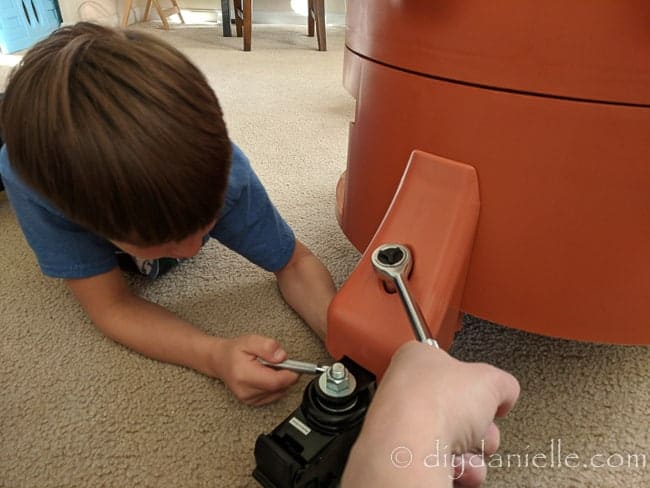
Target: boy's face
point(188, 247)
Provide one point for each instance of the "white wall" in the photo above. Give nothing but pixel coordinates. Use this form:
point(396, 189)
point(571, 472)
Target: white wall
point(264, 11)
point(103, 11)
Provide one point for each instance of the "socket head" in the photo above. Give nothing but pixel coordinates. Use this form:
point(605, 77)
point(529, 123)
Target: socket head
point(390, 262)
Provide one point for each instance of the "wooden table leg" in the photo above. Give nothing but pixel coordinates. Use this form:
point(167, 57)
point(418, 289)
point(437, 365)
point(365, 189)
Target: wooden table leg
point(319, 13)
point(310, 18)
point(178, 11)
point(147, 10)
point(239, 15)
point(127, 11)
point(248, 24)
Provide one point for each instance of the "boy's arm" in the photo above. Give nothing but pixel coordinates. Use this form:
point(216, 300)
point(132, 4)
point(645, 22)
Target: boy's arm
point(155, 332)
point(307, 287)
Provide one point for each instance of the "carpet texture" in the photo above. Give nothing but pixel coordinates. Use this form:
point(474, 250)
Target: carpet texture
point(78, 410)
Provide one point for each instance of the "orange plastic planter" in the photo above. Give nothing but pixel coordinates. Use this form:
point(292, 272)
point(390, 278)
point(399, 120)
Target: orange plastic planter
point(434, 213)
point(550, 104)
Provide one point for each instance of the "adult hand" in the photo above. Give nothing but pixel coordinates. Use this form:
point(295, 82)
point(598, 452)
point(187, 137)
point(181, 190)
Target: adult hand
point(430, 417)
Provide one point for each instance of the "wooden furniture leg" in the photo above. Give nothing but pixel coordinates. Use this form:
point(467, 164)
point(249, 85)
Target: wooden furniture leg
point(244, 21)
point(248, 24)
point(177, 10)
point(310, 19)
point(239, 16)
point(163, 13)
point(127, 11)
point(316, 16)
point(147, 11)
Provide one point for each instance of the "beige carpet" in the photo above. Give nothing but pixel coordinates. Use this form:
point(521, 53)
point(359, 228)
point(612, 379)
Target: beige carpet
point(79, 410)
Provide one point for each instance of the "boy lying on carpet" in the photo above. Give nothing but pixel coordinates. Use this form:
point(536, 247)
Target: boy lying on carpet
point(117, 153)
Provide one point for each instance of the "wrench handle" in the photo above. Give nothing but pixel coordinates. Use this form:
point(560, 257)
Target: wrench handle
point(296, 366)
point(418, 324)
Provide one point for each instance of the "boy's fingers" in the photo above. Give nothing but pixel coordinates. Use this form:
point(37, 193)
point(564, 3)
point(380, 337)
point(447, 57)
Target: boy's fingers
point(271, 380)
point(266, 348)
point(281, 380)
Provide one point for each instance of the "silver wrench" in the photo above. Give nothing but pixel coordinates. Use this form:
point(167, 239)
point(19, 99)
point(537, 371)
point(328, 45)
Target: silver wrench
point(393, 263)
point(296, 366)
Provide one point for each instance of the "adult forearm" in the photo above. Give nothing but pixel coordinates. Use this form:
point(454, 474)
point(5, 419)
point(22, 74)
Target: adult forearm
point(390, 463)
point(402, 443)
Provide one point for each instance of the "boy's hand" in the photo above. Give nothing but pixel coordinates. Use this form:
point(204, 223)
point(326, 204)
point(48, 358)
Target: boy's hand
point(236, 364)
point(155, 332)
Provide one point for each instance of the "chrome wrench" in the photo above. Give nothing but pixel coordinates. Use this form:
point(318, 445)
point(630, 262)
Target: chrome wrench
point(301, 367)
point(393, 263)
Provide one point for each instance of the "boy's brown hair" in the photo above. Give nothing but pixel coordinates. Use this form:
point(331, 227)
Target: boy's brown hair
point(120, 131)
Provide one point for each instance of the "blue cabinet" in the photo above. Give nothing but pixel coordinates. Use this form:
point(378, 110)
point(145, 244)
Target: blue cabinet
point(25, 22)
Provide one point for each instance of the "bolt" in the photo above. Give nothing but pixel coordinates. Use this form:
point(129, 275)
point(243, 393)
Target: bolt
point(338, 371)
point(337, 382)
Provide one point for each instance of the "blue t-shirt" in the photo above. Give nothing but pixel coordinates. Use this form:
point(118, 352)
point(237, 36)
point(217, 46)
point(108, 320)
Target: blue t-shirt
point(249, 224)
